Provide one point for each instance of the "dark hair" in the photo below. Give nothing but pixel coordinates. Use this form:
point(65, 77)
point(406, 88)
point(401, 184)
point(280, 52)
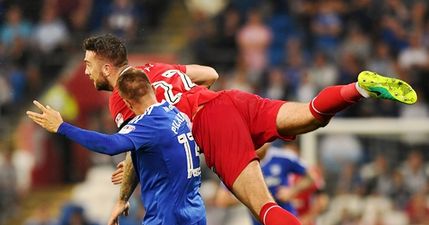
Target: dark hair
point(133, 84)
point(108, 47)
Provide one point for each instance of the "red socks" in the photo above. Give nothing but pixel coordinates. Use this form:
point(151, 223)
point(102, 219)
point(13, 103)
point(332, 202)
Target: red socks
point(273, 214)
point(332, 100)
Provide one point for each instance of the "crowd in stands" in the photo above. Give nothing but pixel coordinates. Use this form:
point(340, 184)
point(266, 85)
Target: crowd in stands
point(38, 37)
point(279, 49)
point(293, 49)
point(37, 40)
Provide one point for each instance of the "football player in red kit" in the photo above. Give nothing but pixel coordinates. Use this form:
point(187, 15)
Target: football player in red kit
point(229, 125)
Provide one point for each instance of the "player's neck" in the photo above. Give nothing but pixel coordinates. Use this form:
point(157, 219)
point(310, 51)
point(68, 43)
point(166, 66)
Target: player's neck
point(144, 104)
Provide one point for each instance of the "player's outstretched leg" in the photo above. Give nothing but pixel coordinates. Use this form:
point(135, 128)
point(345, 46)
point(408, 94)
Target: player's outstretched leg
point(297, 118)
point(251, 190)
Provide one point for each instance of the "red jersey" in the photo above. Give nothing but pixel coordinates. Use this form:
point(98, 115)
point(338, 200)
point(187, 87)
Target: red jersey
point(171, 84)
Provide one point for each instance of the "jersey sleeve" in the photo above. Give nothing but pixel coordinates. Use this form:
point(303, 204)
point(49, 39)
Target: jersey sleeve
point(141, 136)
point(180, 67)
point(96, 142)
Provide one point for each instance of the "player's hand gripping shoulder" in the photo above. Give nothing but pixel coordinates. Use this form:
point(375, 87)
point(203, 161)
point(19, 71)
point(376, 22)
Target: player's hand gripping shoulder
point(48, 119)
point(118, 174)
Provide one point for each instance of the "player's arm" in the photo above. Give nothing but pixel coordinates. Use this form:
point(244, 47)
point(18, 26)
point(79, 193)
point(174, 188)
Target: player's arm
point(96, 142)
point(129, 183)
point(287, 193)
point(129, 180)
point(202, 75)
point(52, 121)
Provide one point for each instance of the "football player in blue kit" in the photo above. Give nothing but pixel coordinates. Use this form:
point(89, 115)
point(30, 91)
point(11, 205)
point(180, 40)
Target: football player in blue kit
point(166, 156)
point(277, 166)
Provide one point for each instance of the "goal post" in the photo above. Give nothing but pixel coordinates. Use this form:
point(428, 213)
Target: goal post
point(363, 126)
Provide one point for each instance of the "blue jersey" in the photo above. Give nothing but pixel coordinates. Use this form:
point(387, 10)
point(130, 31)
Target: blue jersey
point(277, 165)
point(166, 159)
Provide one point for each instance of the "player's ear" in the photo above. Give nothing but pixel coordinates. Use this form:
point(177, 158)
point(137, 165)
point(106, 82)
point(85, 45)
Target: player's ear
point(107, 69)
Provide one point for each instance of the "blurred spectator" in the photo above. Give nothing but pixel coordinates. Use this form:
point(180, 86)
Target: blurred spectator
point(203, 38)
point(418, 12)
point(253, 40)
point(420, 110)
point(228, 26)
point(356, 43)
point(153, 12)
point(276, 88)
point(414, 172)
point(8, 184)
point(5, 95)
point(418, 209)
point(349, 180)
point(393, 34)
point(381, 60)
point(322, 73)
point(350, 67)
point(51, 32)
point(377, 177)
point(340, 150)
point(18, 82)
point(122, 20)
point(415, 55)
point(399, 193)
point(327, 27)
point(73, 214)
point(245, 6)
point(283, 28)
point(214, 41)
point(368, 12)
point(397, 10)
point(76, 14)
point(307, 89)
point(295, 68)
point(239, 80)
point(14, 27)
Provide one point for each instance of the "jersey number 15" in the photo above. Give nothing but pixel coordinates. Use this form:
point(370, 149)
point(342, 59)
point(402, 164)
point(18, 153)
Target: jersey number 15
point(184, 139)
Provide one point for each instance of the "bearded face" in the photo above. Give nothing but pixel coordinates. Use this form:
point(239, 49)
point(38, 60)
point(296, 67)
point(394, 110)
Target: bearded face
point(93, 69)
point(101, 83)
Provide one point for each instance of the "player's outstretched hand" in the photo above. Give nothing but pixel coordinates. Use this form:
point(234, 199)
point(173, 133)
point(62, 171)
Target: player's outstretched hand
point(121, 208)
point(48, 119)
point(118, 174)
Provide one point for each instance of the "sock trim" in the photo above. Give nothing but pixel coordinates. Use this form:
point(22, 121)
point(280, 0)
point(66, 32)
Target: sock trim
point(266, 212)
point(317, 111)
point(362, 91)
